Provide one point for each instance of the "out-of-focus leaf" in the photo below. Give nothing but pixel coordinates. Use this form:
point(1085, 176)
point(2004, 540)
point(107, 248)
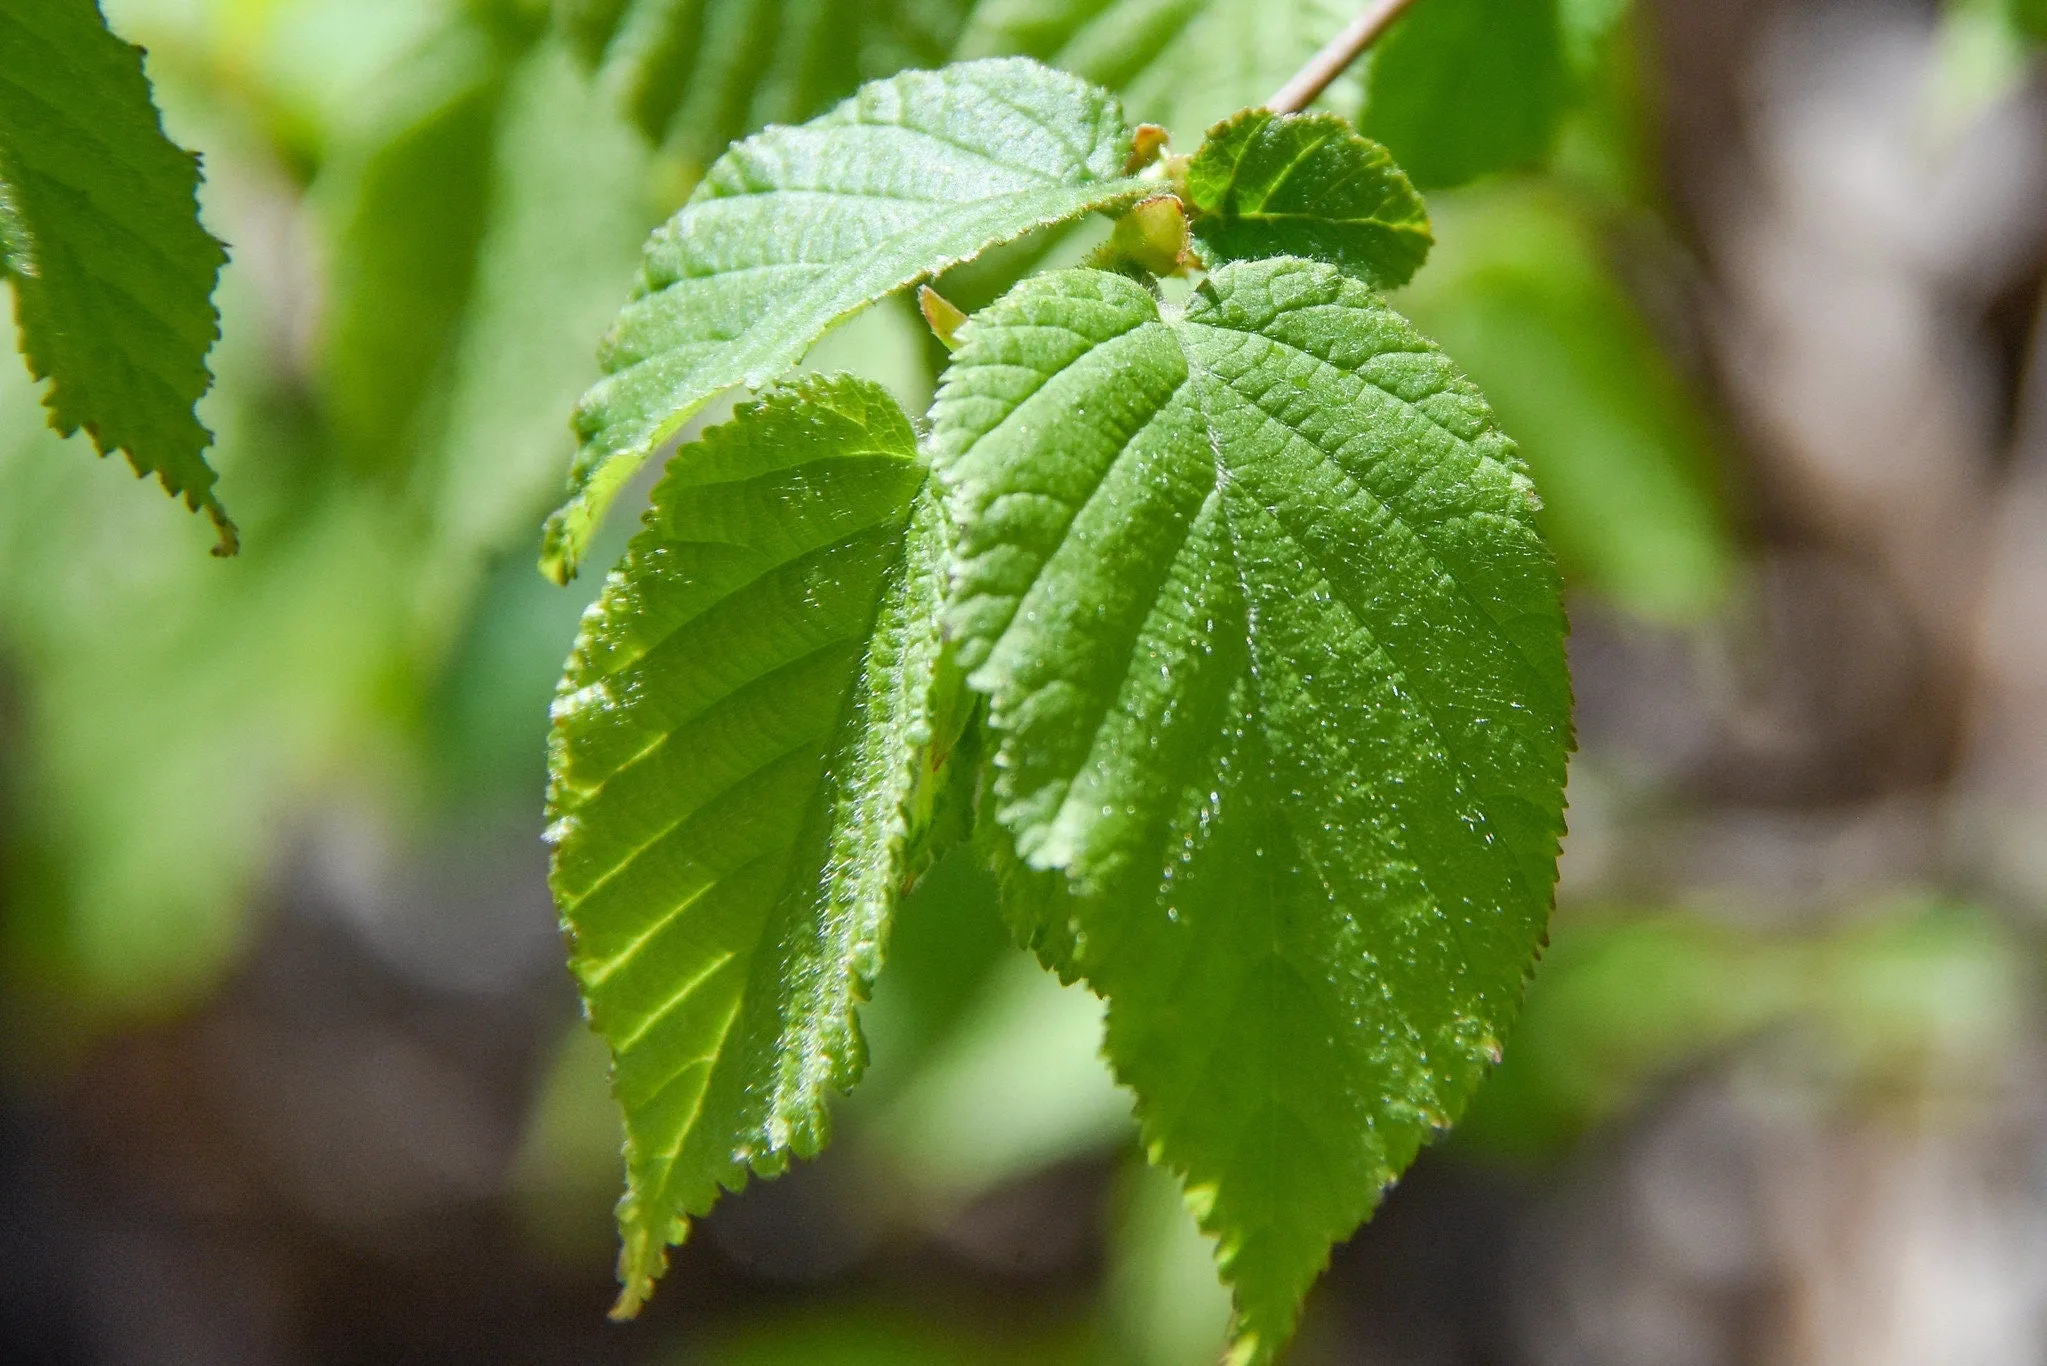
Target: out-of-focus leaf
point(880, 1339)
point(1266, 184)
point(1982, 54)
point(564, 1178)
point(947, 940)
point(1615, 1007)
point(1916, 991)
point(404, 198)
point(1020, 1086)
point(701, 73)
point(567, 213)
point(797, 229)
point(313, 69)
point(99, 233)
point(747, 745)
point(1462, 88)
point(1166, 1305)
point(1586, 25)
point(1516, 290)
point(233, 693)
point(1180, 63)
point(1274, 663)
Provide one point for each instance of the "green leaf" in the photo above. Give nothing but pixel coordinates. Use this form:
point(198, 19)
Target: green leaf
point(700, 73)
point(1274, 663)
point(404, 198)
point(566, 219)
point(1462, 88)
point(99, 229)
point(2030, 17)
point(746, 741)
point(1586, 25)
point(1267, 184)
point(1181, 63)
point(798, 228)
point(1618, 446)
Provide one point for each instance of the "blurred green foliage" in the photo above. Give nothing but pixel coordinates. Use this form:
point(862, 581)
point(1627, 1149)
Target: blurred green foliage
point(1899, 995)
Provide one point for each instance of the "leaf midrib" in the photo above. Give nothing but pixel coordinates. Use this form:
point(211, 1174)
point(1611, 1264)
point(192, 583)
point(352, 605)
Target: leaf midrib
point(1326, 457)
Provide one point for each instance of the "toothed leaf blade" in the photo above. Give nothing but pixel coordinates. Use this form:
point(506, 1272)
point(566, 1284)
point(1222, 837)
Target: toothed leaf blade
point(797, 228)
point(1266, 184)
point(1273, 659)
point(742, 751)
point(99, 230)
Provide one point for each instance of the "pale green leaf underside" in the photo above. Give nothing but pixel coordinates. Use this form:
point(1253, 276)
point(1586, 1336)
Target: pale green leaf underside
point(797, 228)
point(1274, 660)
point(99, 229)
point(1181, 63)
point(1266, 184)
point(739, 752)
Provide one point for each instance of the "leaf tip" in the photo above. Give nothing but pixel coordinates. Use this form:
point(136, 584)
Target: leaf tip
point(558, 549)
point(227, 537)
point(631, 1299)
point(642, 1257)
point(942, 315)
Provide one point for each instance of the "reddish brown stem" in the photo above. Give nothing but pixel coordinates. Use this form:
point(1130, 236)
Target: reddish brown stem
point(1338, 53)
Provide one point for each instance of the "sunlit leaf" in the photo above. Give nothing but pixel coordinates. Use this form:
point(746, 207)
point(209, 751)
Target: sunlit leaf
point(744, 751)
point(1273, 656)
point(798, 228)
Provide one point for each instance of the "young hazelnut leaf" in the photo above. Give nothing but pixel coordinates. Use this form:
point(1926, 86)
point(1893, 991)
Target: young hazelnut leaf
point(749, 740)
point(1274, 667)
point(99, 230)
point(1267, 184)
point(797, 228)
